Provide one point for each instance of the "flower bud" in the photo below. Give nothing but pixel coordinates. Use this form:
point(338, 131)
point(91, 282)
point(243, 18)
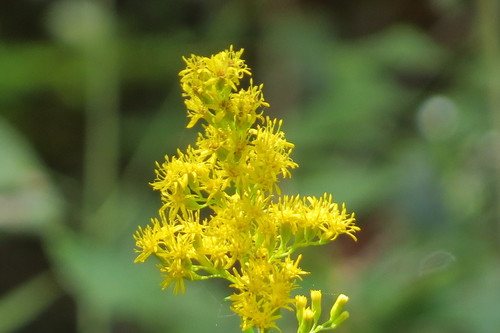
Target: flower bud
point(338, 307)
point(307, 322)
point(340, 319)
point(316, 304)
point(300, 304)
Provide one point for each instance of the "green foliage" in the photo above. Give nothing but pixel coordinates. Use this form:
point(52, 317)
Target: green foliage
point(397, 122)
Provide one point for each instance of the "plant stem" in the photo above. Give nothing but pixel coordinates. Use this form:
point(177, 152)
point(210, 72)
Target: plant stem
point(101, 154)
point(488, 24)
point(102, 131)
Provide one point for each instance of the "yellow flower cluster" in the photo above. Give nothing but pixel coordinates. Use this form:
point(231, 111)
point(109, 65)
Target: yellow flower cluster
point(223, 214)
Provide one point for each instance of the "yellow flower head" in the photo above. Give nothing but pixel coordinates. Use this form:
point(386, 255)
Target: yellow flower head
point(222, 213)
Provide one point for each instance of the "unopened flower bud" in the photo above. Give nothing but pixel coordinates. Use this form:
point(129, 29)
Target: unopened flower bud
point(316, 304)
point(306, 324)
point(340, 319)
point(300, 304)
point(338, 307)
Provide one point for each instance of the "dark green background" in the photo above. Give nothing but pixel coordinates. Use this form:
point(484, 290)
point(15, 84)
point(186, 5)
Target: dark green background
point(393, 107)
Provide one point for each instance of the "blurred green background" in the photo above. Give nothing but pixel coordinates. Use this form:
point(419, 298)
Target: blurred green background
point(394, 107)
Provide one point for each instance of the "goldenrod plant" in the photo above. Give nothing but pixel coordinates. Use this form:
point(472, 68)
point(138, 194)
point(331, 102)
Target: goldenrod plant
point(223, 214)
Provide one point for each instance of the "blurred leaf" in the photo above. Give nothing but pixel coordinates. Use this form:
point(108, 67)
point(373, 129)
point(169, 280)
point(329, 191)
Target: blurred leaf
point(404, 47)
point(348, 183)
point(37, 66)
point(28, 200)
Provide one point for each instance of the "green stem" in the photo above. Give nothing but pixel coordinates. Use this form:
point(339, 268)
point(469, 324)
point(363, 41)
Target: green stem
point(101, 154)
point(488, 25)
point(102, 124)
point(101, 137)
point(207, 266)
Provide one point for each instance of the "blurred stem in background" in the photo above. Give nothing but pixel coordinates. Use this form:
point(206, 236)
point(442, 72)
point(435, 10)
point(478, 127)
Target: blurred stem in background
point(90, 28)
point(101, 143)
point(102, 128)
point(488, 26)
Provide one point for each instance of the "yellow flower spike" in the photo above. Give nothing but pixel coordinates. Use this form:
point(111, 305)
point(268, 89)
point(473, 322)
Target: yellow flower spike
point(222, 214)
